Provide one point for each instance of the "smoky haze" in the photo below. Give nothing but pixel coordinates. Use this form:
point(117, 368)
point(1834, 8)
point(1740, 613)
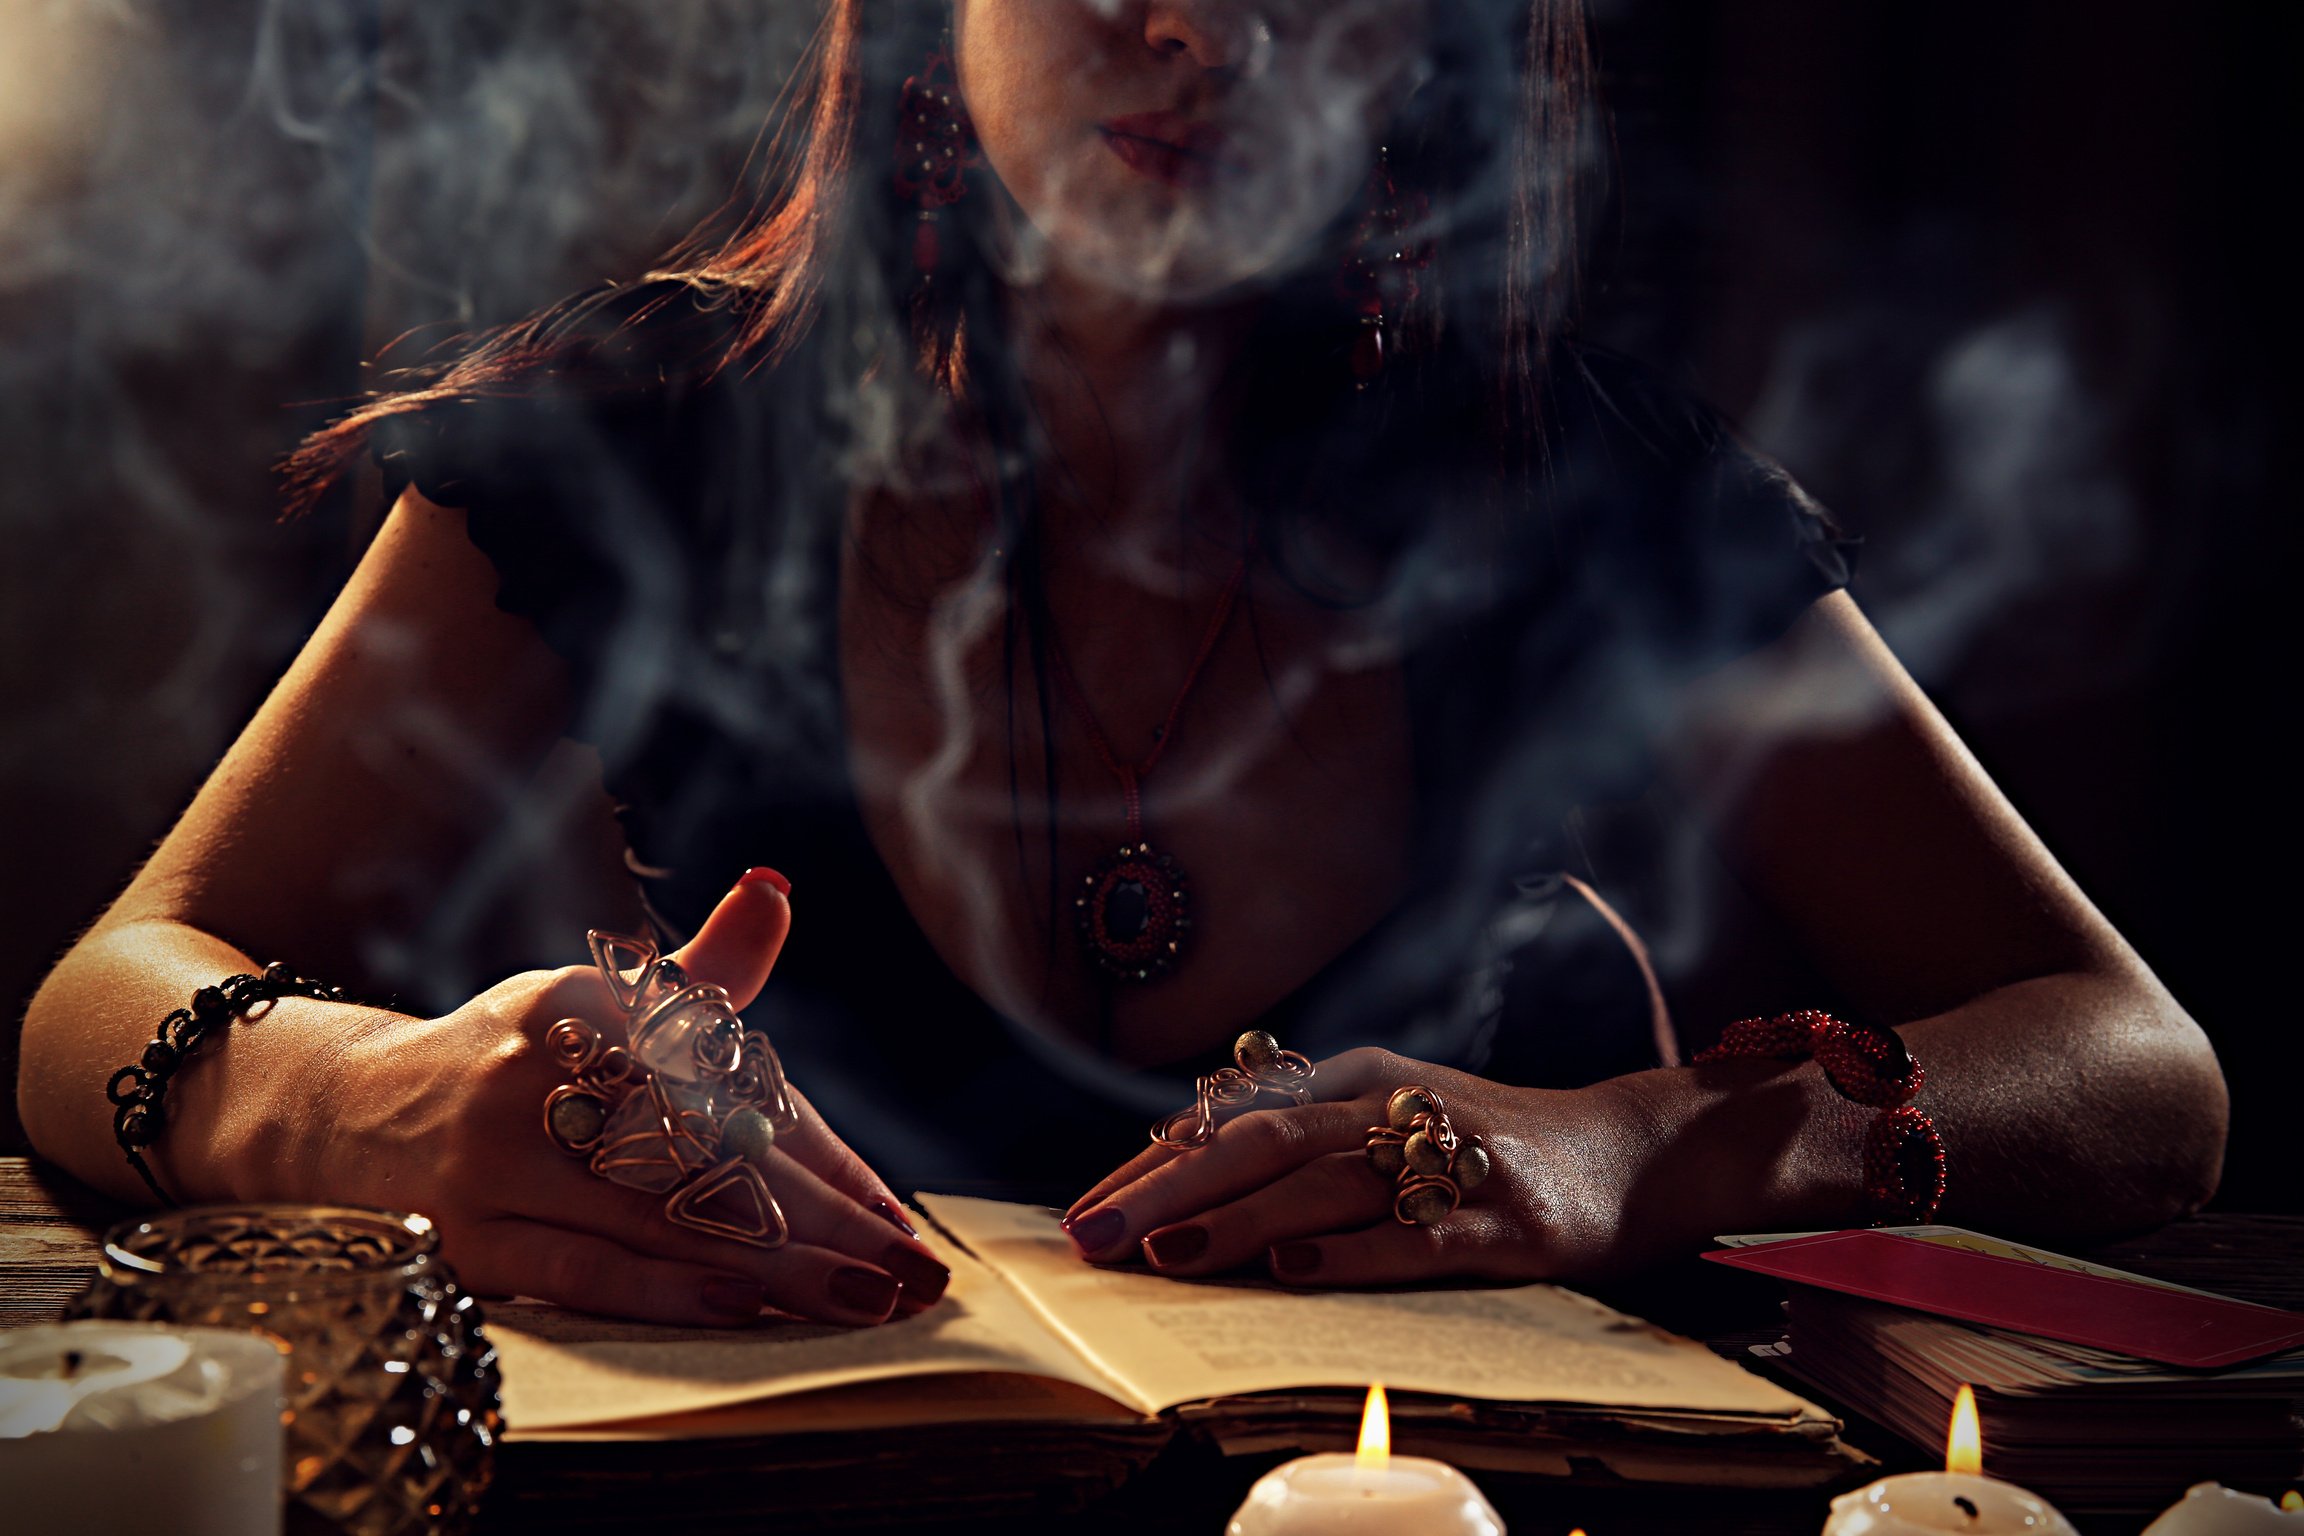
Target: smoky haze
point(209, 214)
point(211, 211)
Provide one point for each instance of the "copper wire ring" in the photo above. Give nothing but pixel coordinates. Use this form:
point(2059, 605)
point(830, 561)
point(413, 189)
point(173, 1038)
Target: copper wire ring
point(1260, 1066)
point(687, 1105)
point(1418, 1149)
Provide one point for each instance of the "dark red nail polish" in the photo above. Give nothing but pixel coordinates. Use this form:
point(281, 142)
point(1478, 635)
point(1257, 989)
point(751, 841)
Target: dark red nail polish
point(1099, 1230)
point(1176, 1245)
point(737, 1300)
point(924, 1279)
point(894, 1216)
point(1295, 1260)
point(858, 1289)
point(762, 875)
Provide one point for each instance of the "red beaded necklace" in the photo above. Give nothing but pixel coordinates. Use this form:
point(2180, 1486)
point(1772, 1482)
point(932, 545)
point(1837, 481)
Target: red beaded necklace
point(1134, 909)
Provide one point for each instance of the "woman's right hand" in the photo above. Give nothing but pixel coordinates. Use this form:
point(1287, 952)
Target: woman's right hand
point(445, 1116)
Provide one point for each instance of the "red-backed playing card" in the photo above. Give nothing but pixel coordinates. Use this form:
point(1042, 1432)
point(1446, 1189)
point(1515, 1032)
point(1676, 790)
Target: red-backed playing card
point(2124, 1316)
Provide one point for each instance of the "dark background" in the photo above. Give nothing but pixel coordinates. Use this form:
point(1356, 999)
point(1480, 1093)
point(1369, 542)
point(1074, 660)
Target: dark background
point(2006, 285)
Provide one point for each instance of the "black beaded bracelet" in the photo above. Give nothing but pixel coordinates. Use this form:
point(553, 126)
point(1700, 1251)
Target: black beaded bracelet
point(137, 1090)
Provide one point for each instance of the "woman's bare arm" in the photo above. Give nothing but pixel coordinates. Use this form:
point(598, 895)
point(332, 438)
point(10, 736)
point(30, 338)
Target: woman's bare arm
point(409, 720)
point(2075, 1098)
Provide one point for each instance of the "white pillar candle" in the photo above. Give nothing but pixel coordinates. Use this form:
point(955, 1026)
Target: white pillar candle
point(110, 1427)
point(1373, 1493)
point(2211, 1509)
point(1328, 1495)
point(1960, 1498)
point(1966, 1502)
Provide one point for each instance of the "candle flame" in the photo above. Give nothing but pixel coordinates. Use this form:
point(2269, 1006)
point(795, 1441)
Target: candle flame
point(2292, 1500)
point(1964, 1451)
point(1375, 1433)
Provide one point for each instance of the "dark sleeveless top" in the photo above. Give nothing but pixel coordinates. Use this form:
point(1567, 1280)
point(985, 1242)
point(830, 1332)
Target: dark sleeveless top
point(675, 538)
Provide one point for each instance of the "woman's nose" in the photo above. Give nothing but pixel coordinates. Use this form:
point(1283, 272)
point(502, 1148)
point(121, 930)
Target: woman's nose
point(1214, 34)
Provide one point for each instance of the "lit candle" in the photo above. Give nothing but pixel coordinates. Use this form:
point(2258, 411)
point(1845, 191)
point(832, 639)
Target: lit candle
point(1369, 1493)
point(2211, 1509)
point(133, 1427)
point(1960, 1498)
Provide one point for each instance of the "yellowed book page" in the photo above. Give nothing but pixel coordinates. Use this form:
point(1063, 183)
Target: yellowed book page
point(1165, 1342)
point(566, 1370)
point(913, 1402)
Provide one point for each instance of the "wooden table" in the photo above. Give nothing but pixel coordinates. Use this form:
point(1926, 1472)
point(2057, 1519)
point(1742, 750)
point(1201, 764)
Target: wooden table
point(49, 1230)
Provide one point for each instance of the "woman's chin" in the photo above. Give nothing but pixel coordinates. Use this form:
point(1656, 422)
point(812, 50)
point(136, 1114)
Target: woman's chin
point(1126, 233)
point(1184, 263)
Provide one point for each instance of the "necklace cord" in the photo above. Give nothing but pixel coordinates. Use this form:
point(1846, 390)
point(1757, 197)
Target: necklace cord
point(1131, 775)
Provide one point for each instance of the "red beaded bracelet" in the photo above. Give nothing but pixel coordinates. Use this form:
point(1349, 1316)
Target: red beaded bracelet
point(1903, 1152)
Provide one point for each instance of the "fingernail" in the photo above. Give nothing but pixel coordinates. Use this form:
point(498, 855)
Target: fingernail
point(894, 1216)
point(737, 1300)
point(1176, 1245)
point(1099, 1230)
point(761, 874)
point(924, 1279)
point(858, 1289)
point(1295, 1259)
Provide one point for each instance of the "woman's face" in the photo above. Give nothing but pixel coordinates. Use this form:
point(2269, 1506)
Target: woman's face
point(1174, 148)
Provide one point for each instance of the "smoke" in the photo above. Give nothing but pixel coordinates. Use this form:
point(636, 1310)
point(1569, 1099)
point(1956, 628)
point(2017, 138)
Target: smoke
point(538, 144)
point(2024, 496)
point(207, 204)
point(210, 163)
point(1982, 463)
point(210, 211)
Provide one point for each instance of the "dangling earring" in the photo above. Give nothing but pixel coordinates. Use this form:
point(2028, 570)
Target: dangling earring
point(935, 148)
point(1379, 275)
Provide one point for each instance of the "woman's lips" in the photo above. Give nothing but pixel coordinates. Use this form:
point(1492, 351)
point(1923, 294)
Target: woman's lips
point(1172, 150)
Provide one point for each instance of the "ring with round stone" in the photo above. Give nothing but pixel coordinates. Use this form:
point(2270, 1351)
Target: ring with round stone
point(1260, 1066)
point(687, 1105)
point(1417, 1147)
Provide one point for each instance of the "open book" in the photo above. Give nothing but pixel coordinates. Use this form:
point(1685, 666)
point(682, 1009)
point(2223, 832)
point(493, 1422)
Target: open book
point(1046, 1350)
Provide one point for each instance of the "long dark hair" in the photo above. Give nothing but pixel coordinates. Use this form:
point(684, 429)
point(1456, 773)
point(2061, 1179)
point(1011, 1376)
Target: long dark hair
point(1501, 141)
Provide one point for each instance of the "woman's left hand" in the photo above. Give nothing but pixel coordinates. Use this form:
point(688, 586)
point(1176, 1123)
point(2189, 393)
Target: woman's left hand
point(1292, 1188)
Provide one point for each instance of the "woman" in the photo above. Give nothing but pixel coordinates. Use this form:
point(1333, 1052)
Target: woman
point(1148, 374)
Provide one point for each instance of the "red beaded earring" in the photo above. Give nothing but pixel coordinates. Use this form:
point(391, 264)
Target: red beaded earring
point(1379, 277)
point(935, 148)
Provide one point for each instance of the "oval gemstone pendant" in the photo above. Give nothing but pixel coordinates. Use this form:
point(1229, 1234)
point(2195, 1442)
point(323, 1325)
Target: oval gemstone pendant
point(1134, 912)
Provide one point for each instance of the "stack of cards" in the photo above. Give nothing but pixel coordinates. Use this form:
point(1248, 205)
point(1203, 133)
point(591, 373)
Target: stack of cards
point(2099, 1390)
